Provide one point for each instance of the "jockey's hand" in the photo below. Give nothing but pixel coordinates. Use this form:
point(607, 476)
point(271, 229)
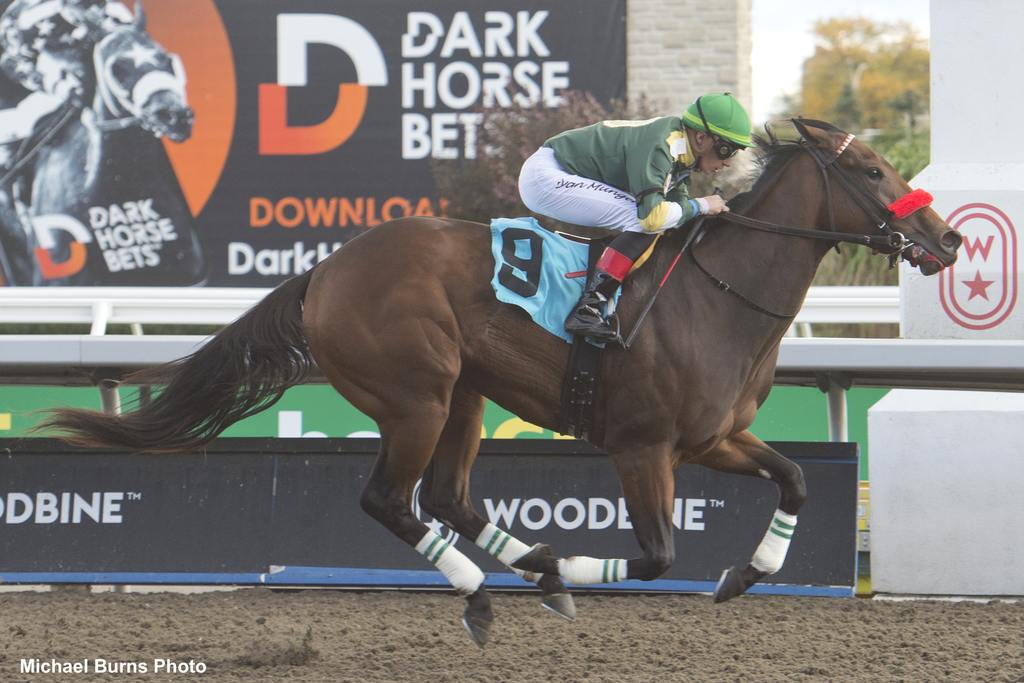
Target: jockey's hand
point(715, 204)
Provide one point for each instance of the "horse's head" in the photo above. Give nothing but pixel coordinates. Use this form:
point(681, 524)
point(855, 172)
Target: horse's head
point(137, 77)
point(869, 195)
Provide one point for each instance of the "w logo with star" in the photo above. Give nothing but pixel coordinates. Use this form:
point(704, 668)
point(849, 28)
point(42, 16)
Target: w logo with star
point(979, 291)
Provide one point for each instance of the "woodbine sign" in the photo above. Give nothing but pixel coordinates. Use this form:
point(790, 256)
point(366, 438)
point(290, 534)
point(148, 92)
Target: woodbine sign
point(286, 511)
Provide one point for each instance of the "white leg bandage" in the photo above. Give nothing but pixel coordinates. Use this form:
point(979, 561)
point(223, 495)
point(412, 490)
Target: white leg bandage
point(770, 555)
point(506, 549)
point(460, 571)
point(585, 570)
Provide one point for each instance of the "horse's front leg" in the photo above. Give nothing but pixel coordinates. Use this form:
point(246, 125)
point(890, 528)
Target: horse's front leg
point(648, 486)
point(746, 454)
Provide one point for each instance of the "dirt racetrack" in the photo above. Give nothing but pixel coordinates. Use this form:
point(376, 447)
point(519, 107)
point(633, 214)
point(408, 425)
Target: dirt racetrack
point(255, 635)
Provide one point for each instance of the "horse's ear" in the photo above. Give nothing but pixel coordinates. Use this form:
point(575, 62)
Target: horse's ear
point(782, 130)
point(823, 138)
point(140, 16)
point(802, 129)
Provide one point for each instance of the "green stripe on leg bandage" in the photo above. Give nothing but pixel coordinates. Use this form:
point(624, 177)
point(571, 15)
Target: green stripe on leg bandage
point(587, 570)
point(771, 553)
point(505, 548)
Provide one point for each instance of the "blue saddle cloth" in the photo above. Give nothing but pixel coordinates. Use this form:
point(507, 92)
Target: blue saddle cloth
point(537, 270)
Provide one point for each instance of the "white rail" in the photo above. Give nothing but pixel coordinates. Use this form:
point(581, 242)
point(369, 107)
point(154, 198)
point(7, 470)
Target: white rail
point(102, 306)
point(994, 364)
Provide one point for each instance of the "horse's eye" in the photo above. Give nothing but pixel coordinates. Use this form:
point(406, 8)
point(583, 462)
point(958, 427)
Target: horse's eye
point(875, 173)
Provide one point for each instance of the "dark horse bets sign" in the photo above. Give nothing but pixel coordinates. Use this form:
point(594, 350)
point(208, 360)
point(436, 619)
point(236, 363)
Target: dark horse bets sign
point(232, 143)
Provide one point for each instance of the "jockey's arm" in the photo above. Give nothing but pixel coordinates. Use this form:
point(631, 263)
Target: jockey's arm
point(657, 213)
point(17, 122)
point(660, 208)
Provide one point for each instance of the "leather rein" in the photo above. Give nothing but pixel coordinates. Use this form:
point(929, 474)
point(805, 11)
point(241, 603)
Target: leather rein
point(880, 214)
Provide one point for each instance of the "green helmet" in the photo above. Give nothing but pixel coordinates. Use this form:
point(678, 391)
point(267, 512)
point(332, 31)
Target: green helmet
point(722, 116)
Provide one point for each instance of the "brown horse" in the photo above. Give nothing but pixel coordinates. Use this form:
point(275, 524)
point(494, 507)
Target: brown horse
point(403, 322)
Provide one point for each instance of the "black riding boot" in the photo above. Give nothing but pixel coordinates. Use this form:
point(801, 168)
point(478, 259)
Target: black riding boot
point(588, 318)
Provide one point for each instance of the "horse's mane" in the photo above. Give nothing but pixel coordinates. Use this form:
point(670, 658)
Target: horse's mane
point(772, 154)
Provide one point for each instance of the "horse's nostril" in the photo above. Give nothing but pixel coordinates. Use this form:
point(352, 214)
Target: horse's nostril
point(951, 240)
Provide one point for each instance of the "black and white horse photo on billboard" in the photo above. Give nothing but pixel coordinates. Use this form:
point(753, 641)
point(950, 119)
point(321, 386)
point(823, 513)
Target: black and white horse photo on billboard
point(89, 196)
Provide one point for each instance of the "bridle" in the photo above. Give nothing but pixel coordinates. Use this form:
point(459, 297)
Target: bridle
point(878, 213)
point(890, 241)
point(124, 105)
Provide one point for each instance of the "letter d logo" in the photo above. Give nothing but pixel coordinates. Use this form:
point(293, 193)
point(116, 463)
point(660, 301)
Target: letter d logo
point(294, 33)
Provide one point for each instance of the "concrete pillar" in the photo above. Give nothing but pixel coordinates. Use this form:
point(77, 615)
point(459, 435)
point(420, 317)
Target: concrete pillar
point(946, 482)
point(976, 174)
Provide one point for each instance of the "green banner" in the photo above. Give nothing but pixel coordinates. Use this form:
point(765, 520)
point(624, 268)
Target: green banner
point(789, 414)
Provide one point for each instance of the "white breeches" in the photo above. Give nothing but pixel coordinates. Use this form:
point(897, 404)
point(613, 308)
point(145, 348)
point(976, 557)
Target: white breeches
point(548, 189)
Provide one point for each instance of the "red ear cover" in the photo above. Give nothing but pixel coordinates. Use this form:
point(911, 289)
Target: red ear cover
point(909, 203)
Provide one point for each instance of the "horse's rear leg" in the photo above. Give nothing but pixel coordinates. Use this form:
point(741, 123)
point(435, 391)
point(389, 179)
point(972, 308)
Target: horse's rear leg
point(444, 495)
point(406, 447)
point(648, 486)
point(746, 454)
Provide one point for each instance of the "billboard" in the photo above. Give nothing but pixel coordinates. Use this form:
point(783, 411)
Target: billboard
point(236, 143)
point(287, 511)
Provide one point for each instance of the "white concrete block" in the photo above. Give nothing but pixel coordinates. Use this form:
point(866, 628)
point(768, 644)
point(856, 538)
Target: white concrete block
point(947, 493)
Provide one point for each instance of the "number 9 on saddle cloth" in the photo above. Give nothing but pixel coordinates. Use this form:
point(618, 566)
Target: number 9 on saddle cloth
point(539, 271)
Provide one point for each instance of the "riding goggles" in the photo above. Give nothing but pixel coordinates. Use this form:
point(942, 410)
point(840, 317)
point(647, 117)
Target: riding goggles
point(723, 148)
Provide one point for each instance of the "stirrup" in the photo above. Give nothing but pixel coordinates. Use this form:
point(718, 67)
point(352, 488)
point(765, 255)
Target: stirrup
point(592, 300)
point(587, 321)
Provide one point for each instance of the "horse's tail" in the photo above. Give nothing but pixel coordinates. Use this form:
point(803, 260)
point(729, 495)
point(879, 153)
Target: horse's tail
point(243, 369)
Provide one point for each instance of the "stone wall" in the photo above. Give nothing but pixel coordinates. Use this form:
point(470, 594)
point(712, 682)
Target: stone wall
point(679, 49)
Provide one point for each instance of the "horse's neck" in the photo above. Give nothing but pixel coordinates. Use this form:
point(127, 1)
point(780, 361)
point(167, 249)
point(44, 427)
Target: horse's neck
point(89, 160)
point(771, 270)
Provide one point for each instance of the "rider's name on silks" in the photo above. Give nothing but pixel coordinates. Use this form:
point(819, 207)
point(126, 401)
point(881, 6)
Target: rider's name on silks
point(538, 271)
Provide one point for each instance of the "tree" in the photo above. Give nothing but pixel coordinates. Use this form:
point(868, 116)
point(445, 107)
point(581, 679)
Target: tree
point(866, 74)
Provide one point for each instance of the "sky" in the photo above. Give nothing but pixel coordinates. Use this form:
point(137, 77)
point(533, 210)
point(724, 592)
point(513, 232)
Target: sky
point(782, 39)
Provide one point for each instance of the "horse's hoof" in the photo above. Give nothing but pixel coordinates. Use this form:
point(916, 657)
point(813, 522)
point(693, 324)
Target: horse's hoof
point(561, 604)
point(557, 597)
point(479, 632)
point(478, 617)
point(735, 582)
point(539, 559)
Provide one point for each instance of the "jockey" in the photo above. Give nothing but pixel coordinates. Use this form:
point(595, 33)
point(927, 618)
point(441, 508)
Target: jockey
point(47, 49)
point(631, 176)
